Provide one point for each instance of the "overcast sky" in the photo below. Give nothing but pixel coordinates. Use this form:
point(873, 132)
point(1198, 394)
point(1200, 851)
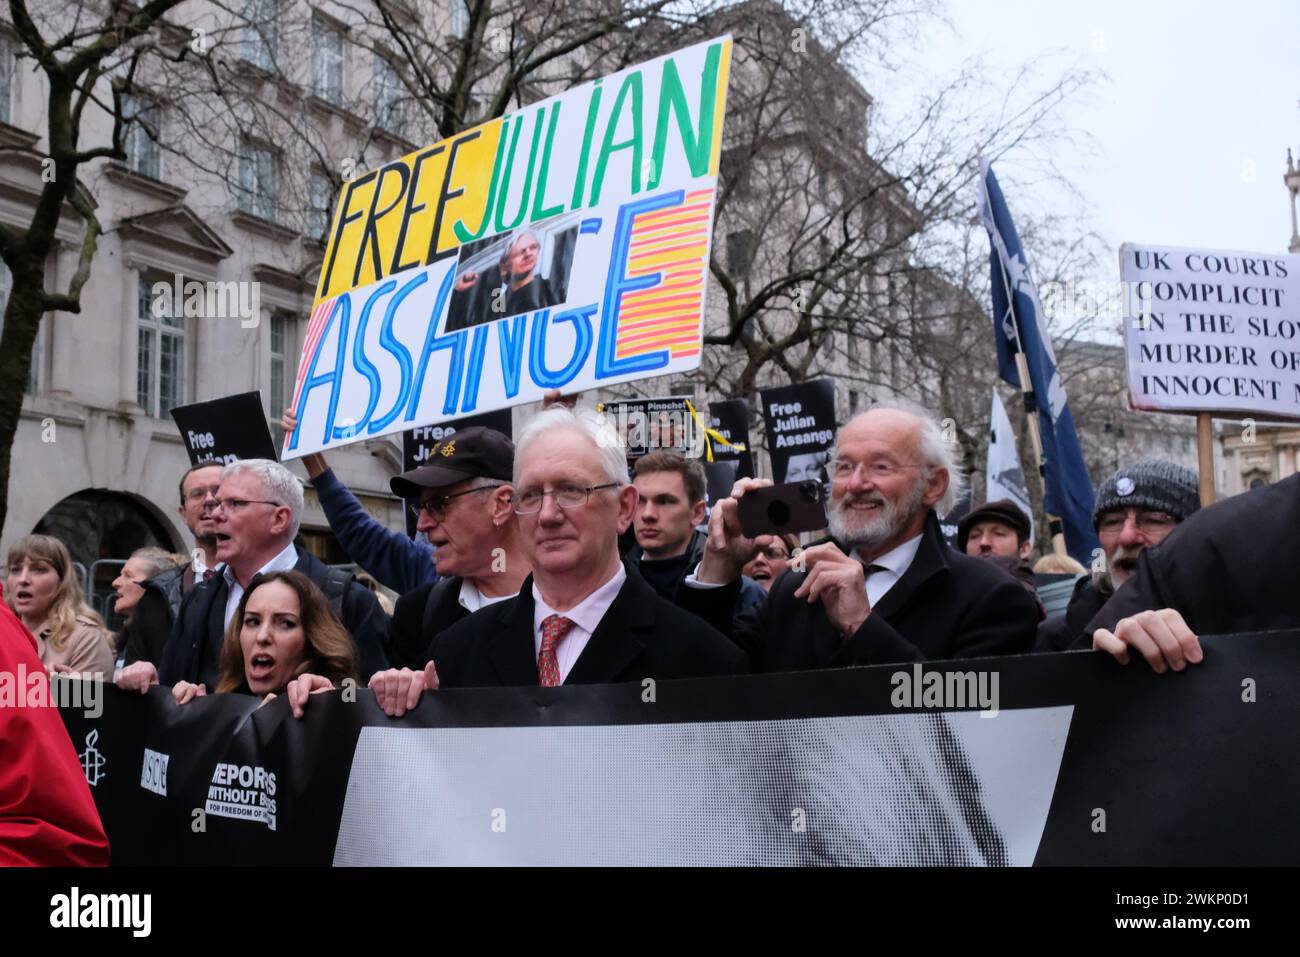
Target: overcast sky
point(1190, 125)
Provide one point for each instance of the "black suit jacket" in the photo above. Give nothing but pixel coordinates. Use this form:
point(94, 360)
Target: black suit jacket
point(419, 616)
point(193, 652)
point(641, 636)
point(1061, 631)
point(946, 605)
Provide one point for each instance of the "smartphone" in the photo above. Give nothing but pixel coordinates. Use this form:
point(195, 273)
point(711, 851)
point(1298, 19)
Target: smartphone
point(777, 509)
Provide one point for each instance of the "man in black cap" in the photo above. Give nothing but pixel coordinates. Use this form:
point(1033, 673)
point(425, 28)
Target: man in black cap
point(462, 503)
point(1135, 509)
point(995, 528)
point(998, 532)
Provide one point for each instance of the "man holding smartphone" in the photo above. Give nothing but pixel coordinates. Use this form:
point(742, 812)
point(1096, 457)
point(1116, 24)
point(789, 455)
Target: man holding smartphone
point(886, 587)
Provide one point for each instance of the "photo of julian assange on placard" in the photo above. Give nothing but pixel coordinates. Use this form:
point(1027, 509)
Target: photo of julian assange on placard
point(512, 273)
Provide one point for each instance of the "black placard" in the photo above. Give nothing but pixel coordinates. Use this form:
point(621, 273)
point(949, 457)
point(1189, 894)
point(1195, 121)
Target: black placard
point(225, 430)
point(800, 422)
point(721, 477)
point(730, 419)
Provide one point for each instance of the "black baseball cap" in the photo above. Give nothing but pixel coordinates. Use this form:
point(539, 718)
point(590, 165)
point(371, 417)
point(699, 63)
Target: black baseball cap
point(470, 453)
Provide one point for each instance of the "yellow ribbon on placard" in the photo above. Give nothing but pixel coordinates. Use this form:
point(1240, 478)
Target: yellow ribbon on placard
point(712, 435)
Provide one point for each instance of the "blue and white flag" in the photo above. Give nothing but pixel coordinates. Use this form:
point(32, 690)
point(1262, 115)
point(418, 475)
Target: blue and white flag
point(1020, 326)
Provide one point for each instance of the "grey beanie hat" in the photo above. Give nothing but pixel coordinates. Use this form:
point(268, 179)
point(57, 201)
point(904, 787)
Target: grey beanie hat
point(1154, 484)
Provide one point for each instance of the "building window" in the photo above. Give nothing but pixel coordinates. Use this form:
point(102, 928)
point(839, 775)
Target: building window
point(160, 354)
point(389, 94)
point(142, 152)
point(318, 213)
point(277, 398)
point(326, 61)
point(459, 18)
point(261, 32)
point(7, 72)
point(257, 180)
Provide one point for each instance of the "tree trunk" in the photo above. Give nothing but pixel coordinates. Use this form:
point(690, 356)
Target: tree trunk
point(21, 322)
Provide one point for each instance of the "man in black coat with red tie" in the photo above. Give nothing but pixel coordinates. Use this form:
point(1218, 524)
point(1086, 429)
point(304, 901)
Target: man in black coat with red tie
point(584, 616)
point(887, 588)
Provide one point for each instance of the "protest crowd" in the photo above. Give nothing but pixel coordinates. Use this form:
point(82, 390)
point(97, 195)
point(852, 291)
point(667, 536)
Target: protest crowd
point(521, 573)
point(561, 553)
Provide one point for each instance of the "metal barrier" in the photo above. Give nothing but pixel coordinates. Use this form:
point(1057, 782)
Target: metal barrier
point(103, 602)
point(80, 569)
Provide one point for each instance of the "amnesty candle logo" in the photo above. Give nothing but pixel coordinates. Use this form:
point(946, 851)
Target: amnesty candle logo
point(92, 762)
point(242, 792)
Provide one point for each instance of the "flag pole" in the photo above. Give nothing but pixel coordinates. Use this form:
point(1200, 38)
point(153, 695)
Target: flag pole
point(1031, 409)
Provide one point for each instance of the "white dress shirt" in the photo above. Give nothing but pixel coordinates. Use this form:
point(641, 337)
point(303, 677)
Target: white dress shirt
point(284, 562)
point(893, 564)
point(471, 599)
point(200, 566)
point(586, 616)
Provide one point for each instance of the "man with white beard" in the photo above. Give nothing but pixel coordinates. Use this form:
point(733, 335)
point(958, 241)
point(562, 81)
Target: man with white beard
point(887, 587)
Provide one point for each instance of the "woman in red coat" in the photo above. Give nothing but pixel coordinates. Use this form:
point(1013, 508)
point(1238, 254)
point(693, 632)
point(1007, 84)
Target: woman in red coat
point(47, 816)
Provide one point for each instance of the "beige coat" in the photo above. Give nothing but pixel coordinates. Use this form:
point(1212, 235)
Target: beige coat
point(88, 649)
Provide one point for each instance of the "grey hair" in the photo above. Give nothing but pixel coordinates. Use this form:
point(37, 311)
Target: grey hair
point(158, 559)
point(279, 485)
point(937, 452)
point(613, 458)
point(517, 235)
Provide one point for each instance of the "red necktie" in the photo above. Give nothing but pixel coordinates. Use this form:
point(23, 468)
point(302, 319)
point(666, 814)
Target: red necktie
point(208, 573)
point(554, 628)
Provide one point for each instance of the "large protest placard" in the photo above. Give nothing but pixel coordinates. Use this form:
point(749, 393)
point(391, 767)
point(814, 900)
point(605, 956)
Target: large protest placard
point(993, 761)
point(1212, 330)
point(800, 422)
point(564, 246)
point(223, 430)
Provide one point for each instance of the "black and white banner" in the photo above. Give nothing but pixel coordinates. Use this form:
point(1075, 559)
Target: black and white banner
point(1040, 759)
